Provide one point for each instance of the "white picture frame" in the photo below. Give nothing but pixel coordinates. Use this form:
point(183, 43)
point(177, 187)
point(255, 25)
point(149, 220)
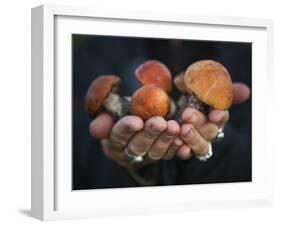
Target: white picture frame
point(52, 197)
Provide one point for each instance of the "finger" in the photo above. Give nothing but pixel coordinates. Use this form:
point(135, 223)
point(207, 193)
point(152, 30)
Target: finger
point(106, 149)
point(123, 130)
point(172, 149)
point(142, 141)
point(161, 145)
point(209, 131)
point(117, 157)
point(101, 126)
point(184, 152)
point(218, 117)
point(205, 128)
point(193, 139)
point(241, 93)
point(194, 117)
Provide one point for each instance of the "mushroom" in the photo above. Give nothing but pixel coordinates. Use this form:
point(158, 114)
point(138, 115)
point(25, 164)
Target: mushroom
point(102, 93)
point(150, 100)
point(155, 72)
point(207, 85)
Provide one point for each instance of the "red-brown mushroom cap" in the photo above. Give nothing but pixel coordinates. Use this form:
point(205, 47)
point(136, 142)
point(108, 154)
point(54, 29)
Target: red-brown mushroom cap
point(97, 92)
point(150, 100)
point(210, 82)
point(154, 72)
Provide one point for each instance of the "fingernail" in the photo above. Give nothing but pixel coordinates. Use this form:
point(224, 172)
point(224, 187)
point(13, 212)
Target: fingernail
point(169, 134)
point(130, 129)
point(187, 133)
point(177, 143)
point(154, 129)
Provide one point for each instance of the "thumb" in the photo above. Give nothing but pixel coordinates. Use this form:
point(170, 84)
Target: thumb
point(101, 126)
point(241, 93)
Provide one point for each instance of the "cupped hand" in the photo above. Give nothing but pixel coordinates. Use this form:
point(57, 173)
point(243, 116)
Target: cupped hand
point(159, 139)
point(198, 130)
point(155, 139)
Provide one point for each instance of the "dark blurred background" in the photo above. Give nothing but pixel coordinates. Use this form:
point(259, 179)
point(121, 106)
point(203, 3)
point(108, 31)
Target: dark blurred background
point(97, 55)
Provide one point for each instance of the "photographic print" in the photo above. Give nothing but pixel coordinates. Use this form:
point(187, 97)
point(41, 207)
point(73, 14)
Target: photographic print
point(134, 107)
point(157, 112)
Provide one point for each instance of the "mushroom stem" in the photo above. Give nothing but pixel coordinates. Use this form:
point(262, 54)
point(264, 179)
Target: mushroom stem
point(116, 105)
point(189, 100)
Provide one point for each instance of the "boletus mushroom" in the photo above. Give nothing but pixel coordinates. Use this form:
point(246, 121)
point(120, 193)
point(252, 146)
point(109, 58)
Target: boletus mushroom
point(154, 72)
point(150, 100)
point(102, 93)
point(207, 85)
point(157, 73)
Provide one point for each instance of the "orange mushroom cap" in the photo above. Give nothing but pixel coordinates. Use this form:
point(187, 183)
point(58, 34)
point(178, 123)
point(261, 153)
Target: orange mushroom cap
point(210, 82)
point(150, 100)
point(98, 91)
point(154, 72)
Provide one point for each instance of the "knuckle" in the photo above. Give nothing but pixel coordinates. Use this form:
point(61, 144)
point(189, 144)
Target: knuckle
point(158, 149)
point(117, 143)
point(157, 152)
point(137, 150)
point(155, 155)
point(210, 133)
point(150, 135)
point(166, 139)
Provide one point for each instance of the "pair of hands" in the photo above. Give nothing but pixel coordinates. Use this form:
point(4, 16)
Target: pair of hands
point(156, 138)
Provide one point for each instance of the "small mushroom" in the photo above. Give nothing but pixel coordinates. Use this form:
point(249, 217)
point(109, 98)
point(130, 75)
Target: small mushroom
point(102, 93)
point(155, 72)
point(207, 85)
point(150, 100)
